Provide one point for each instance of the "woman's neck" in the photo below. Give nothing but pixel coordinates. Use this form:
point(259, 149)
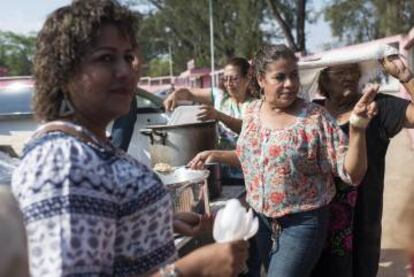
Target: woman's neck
point(291, 109)
point(338, 105)
point(239, 98)
point(98, 128)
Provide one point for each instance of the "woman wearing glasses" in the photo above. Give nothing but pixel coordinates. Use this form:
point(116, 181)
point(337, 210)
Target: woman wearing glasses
point(353, 244)
point(226, 105)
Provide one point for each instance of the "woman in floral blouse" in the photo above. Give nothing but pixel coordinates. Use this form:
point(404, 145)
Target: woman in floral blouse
point(290, 152)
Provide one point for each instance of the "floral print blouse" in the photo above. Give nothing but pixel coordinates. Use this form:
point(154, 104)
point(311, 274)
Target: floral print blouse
point(292, 169)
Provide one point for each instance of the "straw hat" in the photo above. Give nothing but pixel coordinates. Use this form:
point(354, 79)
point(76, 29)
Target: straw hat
point(366, 56)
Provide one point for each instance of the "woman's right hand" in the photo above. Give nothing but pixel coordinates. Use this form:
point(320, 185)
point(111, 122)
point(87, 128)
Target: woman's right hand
point(171, 101)
point(201, 159)
point(221, 259)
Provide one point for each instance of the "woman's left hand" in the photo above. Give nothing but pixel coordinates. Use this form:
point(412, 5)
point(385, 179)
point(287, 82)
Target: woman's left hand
point(208, 112)
point(396, 67)
point(366, 108)
point(192, 224)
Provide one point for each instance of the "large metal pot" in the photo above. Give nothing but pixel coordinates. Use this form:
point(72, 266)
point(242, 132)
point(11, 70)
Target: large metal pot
point(178, 144)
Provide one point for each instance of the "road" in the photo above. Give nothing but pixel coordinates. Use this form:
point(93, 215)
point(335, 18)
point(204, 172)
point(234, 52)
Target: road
point(399, 188)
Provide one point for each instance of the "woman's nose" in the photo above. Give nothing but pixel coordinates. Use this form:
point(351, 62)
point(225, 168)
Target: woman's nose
point(124, 69)
point(289, 82)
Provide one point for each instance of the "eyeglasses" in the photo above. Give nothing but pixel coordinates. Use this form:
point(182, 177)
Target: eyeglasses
point(230, 79)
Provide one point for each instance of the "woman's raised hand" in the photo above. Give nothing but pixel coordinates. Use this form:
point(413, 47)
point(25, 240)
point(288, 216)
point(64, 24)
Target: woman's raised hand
point(366, 108)
point(397, 68)
point(208, 112)
point(171, 101)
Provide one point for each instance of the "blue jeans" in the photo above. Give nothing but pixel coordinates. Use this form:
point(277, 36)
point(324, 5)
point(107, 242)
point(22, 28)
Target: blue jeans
point(299, 245)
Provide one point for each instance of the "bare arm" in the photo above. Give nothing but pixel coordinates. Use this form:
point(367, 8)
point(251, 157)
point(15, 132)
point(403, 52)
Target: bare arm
point(397, 68)
point(227, 157)
point(208, 112)
point(356, 160)
point(409, 113)
point(214, 260)
point(233, 123)
point(200, 95)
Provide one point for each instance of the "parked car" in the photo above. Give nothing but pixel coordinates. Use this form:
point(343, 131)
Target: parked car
point(17, 123)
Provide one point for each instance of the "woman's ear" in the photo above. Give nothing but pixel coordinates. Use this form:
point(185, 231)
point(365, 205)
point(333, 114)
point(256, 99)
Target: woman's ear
point(260, 81)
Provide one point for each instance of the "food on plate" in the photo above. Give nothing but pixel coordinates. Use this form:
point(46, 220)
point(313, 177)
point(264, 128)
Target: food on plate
point(163, 168)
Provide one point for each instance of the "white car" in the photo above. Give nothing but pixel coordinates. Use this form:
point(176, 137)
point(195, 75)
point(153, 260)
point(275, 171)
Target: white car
point(17, 123)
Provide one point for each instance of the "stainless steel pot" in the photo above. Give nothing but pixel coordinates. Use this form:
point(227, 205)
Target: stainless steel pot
point(178, 144)
point(188, 189)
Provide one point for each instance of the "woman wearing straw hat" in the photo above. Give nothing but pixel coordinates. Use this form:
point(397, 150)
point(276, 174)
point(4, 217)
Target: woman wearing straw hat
point(354, 236)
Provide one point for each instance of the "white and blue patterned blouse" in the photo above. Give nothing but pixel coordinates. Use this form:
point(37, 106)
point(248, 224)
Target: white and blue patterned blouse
point(90, 211)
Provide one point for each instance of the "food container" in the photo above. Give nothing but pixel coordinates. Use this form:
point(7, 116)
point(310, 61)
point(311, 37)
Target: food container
point(188, 189)
point(177, 144)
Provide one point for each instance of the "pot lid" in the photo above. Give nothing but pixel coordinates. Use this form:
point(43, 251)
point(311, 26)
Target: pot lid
point(171, 126)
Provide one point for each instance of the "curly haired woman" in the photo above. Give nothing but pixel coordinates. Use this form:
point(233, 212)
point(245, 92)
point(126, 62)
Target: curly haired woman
point(90, 209)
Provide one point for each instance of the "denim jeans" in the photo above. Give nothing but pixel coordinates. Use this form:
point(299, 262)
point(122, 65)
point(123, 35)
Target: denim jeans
point(299, 245)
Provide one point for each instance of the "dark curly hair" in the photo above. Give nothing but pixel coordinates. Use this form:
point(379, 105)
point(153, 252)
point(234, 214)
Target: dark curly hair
point(62, 43)
point(265, 56)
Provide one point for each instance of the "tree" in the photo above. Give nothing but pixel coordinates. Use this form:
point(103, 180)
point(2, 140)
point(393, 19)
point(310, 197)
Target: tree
point(16, 52)
point(291, 15)
point(240, 28)
point(357, 21)
point(158, 67)
point(185, 25)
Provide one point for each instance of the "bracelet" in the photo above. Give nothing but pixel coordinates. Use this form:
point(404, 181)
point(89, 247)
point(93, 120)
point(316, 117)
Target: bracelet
point(358, 121)
point(169, 271)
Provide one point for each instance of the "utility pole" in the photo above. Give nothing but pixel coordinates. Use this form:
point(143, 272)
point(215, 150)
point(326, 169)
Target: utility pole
point(213, 78)
point(171, 60)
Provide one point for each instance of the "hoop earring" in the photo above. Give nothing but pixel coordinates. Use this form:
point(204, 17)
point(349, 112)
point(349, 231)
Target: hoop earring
point(66, 107)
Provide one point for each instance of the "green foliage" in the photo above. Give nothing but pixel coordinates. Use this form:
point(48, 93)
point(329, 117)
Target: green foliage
point(362, 20)
point(159, 67)
point(185, 25)
point(16, 52)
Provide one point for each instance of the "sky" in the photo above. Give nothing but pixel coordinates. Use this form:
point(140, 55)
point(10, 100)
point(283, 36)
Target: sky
point(23, 16)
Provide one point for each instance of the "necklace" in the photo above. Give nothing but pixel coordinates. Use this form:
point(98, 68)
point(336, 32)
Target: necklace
point(77, 131)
